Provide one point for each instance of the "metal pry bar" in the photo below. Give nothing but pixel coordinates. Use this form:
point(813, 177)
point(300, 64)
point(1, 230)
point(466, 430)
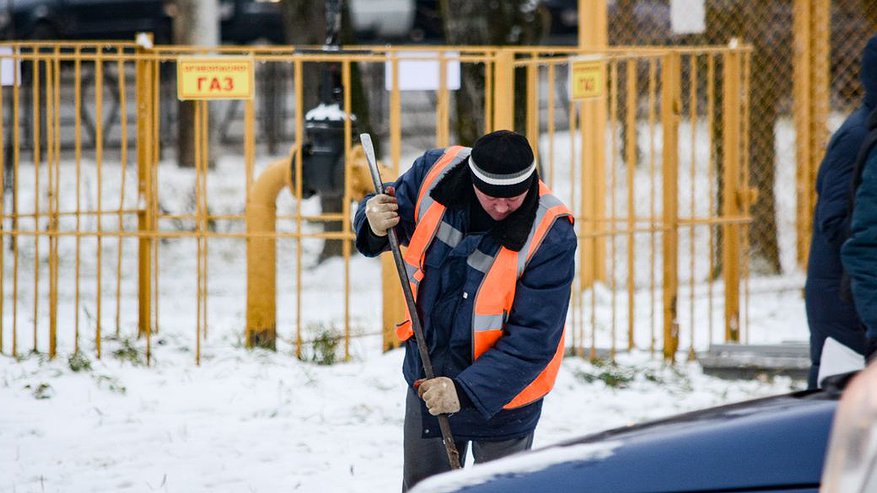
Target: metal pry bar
point(444, 425)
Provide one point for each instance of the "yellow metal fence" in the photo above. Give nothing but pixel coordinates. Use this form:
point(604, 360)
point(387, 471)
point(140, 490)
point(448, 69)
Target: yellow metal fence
point(804, 80)
point(104, 235)
point(662, 214)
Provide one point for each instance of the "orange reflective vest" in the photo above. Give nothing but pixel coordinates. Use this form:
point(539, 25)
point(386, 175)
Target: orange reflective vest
point(494, 297)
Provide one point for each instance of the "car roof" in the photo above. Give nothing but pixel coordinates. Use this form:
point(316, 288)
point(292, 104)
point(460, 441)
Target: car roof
point(764, 443)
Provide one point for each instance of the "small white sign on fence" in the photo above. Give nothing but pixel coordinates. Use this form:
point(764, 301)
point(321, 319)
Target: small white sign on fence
point(8, 67)
point(422, 72)
point(687, 16)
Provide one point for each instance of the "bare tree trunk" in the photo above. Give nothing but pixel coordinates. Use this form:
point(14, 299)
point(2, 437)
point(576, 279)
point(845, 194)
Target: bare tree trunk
point(360, 106)
point(870, 11)
point(196, 23)
point(623, 28)
point(305, 22)
point(719, 29)
point(306, 25)
point(764, 97)
point(753, 25)
point(510, 22)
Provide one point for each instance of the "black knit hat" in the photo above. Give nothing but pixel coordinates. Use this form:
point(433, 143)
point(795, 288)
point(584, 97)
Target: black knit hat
point(502, 164)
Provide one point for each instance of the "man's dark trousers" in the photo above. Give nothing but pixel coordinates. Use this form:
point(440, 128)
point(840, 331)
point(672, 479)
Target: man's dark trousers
point(426, 457)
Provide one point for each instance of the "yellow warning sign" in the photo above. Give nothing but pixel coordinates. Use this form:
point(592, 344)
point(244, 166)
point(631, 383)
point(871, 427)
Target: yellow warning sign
point(214, 78)
point(586, 79)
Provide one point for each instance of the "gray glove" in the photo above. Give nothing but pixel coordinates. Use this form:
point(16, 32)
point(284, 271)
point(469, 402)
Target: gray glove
point(440, 396)
point(382, 212)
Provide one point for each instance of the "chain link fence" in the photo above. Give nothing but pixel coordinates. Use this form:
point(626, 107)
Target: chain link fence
point(768, 26)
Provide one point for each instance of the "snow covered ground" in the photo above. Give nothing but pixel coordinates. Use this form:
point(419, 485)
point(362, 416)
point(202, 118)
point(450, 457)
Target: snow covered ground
point(266, 421)
point(262, 421)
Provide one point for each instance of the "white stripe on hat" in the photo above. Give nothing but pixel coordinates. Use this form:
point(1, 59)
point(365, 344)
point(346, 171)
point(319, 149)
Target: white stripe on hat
point(501, 180)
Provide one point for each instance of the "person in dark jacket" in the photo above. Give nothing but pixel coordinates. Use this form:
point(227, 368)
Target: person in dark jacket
point(829, 312)
point(859, 252)
point(491, 257)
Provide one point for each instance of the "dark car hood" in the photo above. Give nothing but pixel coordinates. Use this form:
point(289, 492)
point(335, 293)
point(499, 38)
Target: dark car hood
point(773, 442)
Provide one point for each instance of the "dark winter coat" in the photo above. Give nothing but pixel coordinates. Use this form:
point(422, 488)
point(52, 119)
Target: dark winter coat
point(859, 252)
point(828, 312)
point(534, 326)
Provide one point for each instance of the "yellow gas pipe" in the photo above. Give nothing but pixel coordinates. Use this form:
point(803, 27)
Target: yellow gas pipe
point(261, 216)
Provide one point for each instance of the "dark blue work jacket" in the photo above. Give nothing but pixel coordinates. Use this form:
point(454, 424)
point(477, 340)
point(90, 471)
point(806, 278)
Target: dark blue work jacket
point(445, 300)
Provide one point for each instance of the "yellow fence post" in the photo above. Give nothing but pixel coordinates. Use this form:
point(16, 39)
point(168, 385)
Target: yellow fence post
point(295, 179)
point(731, 123)
point(671, 106)
point(811, 93)
point(532, 129)
point(145, 159)
point(504, 90)
point(37, 160)
point(593, 35)
point(3, 166)
point(443, 105)
point(393, 301)
point(593, 24)
point(630, 162)
point(52, 162)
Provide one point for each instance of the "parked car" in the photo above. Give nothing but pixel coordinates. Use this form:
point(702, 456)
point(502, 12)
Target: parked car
point(241, 21)
point(564, 16)
point(84, 19)
point(766, 445)
point(248, 21)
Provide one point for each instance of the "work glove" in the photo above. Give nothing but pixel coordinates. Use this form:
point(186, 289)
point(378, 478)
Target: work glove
point(382, 212)
point(440, 395)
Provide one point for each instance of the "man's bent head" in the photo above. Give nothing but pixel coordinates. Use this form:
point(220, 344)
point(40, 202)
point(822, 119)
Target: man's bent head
point(502, 165)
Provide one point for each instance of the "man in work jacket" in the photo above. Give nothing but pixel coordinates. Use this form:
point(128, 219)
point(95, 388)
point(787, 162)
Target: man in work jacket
point(491, 259)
